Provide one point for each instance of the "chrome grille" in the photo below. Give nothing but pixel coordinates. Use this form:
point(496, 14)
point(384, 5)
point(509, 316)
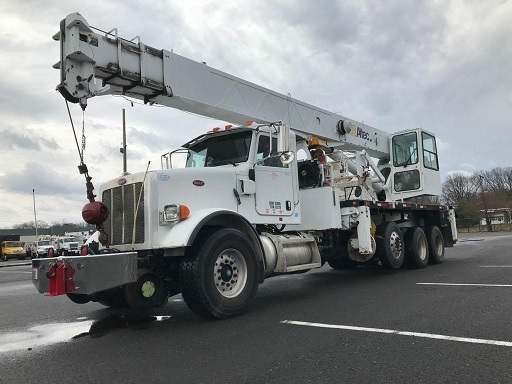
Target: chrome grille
point(122, 203)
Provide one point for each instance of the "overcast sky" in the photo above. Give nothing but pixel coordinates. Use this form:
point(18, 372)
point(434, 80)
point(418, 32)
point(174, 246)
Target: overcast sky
point(441, 65)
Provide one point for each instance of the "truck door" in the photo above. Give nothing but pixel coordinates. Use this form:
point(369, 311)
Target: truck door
point(274, 181)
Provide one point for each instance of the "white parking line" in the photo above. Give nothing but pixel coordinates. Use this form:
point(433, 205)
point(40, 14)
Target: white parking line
point(468, 285)
point(495, 266)
point(14, 271)
point(402, 333)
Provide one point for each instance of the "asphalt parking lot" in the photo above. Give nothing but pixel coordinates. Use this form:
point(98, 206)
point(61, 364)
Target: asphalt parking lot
point(447, 323)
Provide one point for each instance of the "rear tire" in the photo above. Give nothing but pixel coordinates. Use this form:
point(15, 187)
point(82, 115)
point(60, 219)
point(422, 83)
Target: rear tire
point(436, 245)
point(390, 245)
point(220, 277)
point(417, 250)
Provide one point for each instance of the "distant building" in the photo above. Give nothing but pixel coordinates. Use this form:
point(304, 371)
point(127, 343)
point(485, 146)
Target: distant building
point(27, 235)
point(496, 216)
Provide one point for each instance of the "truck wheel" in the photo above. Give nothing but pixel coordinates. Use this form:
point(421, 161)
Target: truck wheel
point(79, 298)
point(338, 256)
point(113, 298)
point(416, 252)
point(4, 257)
point(342, 264)
point(390, 245)
point(219, 279)
point(147, 292)
point(436, 245)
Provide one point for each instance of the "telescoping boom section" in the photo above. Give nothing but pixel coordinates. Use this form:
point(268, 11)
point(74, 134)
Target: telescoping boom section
point(287, 189)
point(93, 62)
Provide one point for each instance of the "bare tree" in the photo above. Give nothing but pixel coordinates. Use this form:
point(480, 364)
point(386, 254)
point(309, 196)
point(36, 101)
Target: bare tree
point(459, 187)
point(498, 180)
point(31, 224)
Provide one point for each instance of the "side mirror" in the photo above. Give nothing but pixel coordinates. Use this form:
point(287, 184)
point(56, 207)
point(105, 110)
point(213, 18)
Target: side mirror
point(283, 139)
point(287, 157)
point(283, 144)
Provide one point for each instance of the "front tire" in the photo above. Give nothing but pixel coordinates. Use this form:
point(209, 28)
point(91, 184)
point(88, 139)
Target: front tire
point(220, 277)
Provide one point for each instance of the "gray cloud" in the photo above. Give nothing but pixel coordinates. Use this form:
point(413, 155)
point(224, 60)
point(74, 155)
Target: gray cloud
point(43, 179)
point(15, 138)
point(395, 65)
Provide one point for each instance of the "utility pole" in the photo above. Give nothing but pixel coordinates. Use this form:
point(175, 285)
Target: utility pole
point(123, 149)
point(35, 216)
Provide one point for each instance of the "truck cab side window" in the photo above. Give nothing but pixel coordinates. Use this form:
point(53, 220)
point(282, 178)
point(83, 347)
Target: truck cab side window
point(263, 155)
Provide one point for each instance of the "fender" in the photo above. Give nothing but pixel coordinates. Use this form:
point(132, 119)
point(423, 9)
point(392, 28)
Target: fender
point(184, 233)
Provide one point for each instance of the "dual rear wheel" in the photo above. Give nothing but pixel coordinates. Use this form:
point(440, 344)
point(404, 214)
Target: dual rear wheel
point(416, 249)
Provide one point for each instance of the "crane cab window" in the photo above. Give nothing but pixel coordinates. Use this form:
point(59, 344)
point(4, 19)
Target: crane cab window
point(405, 149)
point(429, 151)
point(407, 180)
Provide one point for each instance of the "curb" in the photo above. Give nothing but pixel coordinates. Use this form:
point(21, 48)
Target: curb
point(15, 265)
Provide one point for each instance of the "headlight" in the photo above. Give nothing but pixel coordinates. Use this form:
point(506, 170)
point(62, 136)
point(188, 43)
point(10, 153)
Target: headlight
point(175, 212)
point(171, 212)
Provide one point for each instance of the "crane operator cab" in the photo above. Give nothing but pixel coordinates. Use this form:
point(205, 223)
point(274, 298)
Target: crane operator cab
point(414, 166)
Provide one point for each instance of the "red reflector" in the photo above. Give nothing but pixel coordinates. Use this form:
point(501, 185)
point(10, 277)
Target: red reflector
point(84, 251)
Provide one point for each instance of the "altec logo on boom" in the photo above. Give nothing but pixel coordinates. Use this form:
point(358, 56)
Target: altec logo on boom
point(359, 132)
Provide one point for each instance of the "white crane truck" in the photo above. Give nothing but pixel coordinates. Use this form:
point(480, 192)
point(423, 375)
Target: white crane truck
point(291, 187)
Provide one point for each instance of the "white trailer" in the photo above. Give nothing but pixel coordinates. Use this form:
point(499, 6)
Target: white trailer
point(244, 208)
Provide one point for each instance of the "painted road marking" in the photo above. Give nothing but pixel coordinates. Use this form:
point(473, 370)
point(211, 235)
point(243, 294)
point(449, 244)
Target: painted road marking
point(401, 333)
point(14, 271)
point(468, 285)
point(495, 266)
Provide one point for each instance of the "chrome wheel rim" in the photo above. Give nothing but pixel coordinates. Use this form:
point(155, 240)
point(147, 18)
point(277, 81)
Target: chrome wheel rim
point(396, 245)
point(230, 273)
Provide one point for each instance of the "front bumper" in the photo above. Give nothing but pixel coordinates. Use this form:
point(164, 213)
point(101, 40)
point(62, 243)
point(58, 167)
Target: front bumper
point(12, 255)
point(85, 274)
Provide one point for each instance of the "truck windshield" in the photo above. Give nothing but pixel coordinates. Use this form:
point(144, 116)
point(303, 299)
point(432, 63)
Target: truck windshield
point(12, 244)
point(44, 242)
point(220, 149)
point(68, 239)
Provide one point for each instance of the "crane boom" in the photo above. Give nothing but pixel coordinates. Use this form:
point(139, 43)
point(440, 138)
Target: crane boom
point(102, 63)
